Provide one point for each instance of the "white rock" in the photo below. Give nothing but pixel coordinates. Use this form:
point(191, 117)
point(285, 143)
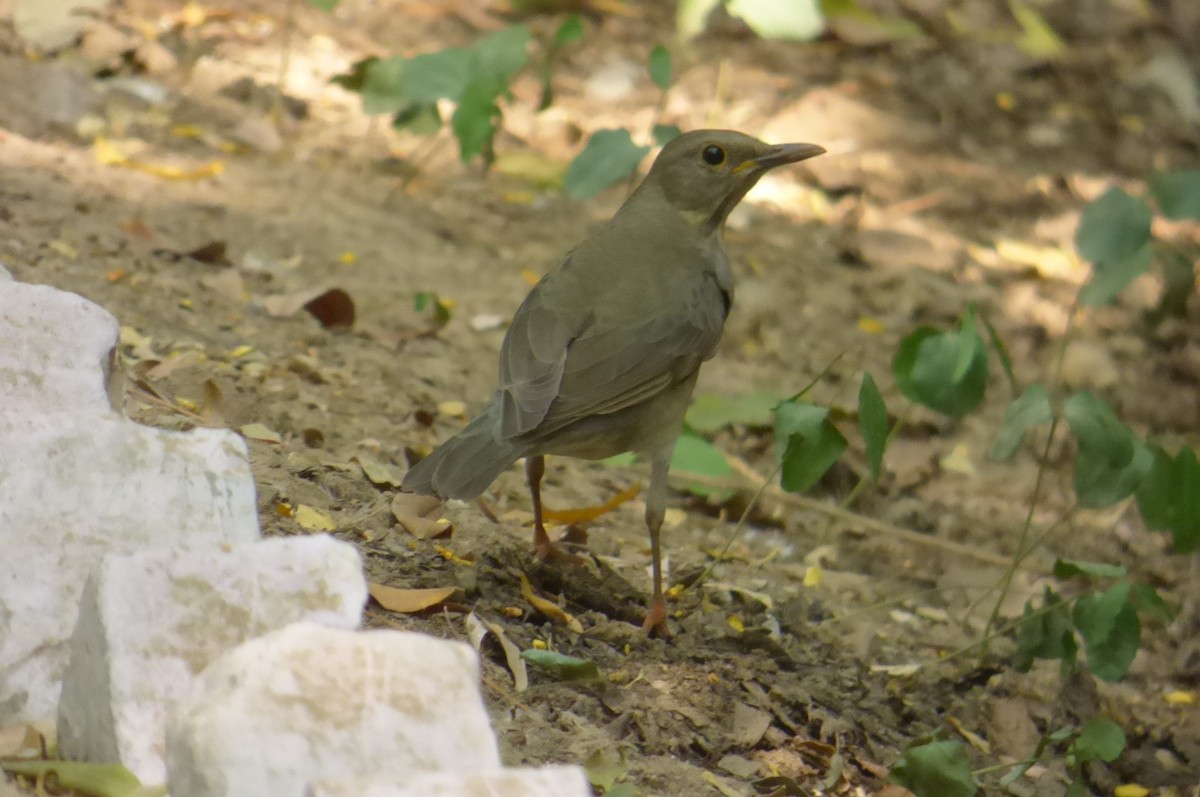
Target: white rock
point(56, 353)
point(544, 782)
point(4, 275)
point(77, 481)
point(150, 621)
point(308, 703)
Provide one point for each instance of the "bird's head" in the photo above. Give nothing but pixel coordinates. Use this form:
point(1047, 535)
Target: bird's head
point(704, 173)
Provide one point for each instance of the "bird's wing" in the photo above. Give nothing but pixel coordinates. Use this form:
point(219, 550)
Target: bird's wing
point(552, 374)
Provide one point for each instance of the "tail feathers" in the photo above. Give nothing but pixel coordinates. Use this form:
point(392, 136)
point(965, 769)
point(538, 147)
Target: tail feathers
point(464, 466)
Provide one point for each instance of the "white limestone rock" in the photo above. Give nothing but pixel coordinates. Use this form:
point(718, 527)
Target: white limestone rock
point(308, 703)
point(149, 622)
point(544, 782)
point(78, 481)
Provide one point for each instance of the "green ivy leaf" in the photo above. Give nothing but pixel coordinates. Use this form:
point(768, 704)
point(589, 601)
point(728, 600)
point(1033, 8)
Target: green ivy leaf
point(1169, 497)
point(474, 120)
point(696, 455)
point(872, 424)
point(711, 413)
point(945, 371)
point(659, 66)
point(565, 668)
point(1072, 568)
point(501, 55)
point(1046, 633)
point(936, 769)
point(570, 30)
point(1110, 629)
point(609, 157)
point(1031, 409)
point(664, 133)
point(1100, 739)
point(1109, 277)
point(794, 20)
point(1110, 462)
point(382, 86)
point(807, 444)
point(1178, 194)
point(1113, 227)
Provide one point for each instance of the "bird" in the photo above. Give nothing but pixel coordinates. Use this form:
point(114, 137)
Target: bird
point(602, 356)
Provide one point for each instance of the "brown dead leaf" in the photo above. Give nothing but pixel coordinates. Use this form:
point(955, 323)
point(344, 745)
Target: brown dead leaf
point(212, 406)
point(313, 519)
point(213, 253)
point(413, 513)
point(408, 601)
point(549, 608)
point(478, 629)
point(332, 307)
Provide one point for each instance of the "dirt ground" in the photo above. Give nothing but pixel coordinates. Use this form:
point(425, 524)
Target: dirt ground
point(957, 169)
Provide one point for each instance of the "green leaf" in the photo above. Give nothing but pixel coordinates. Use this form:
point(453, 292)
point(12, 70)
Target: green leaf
point(501, 55)
point(1110, 462)
point(1146, 599)
point(324, 5)
point(936, 769)
point(565, 668)
point(570, 30)
point(1110, 629)
point(1109, 277)
point(664, 133)
point(1031, 409)
point(1046, 633)
point(659, 66)
point(698, 456)
point(101, 780)
point(945, 371)
point(609, 157)
point(857, 25)
point(422, 119)
point(711, 413)
point(1100, 739)
point(806, 443)
point(872, 424)
point(793, 20)
point(1178, 194)
point(430, 77)
point(382, 86)
point(691, 16)
point(1113, 227)
point(1072, 568)
point(474, 120)
point(1169, 497)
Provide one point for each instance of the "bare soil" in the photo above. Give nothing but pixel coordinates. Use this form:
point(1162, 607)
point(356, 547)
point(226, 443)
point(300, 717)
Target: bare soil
point(957, 169)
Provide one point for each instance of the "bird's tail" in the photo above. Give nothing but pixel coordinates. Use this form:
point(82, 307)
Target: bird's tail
point(464, 466)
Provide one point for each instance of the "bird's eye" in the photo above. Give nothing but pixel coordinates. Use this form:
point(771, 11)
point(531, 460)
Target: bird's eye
point(713, 155)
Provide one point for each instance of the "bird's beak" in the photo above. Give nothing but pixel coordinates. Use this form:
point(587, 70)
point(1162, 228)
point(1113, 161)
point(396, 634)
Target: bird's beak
point(778, 155)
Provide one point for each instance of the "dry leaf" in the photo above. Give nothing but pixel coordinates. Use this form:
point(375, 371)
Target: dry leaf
point(412, 512)
point(408, 601)
point(477, 629)
point(332, 307)
point(587, 514)
point(549, 608)
point(377, 473)
point(256, 431)
point(213, 405)
point(313, 519)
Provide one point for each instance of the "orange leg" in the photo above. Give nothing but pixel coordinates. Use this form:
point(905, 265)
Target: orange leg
point(543, 547)
point(656, 510)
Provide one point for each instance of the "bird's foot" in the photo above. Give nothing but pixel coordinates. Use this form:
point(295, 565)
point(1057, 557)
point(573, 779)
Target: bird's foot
point(656, 618)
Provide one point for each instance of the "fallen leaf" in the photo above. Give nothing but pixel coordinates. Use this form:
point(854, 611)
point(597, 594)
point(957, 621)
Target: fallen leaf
point(974, 739)
point(452, 409)
point(136, 228)
point(587, 514)
point(566, 668)
point(451, 556)
point(332, 307)
point(1130, 790)
point(377, 473)
point(1180, 698)
point(478, 629)
point(212, 253)
point(549, 608)
point(313, 519)
point(408, 601)
point(212, 408)
point(256, 431)
point(412, 512)
point(897, 670)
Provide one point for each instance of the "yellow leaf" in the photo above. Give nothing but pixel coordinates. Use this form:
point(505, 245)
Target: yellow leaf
point(529, 276)
point(1005, 101)
point(1180, 698)
point(63, 248)
point(348, 258)
point(256, 431)
point(1130, 790)
point(872, 326)
point(587, 514)
point(539, 644)
point(813, 576)
point(549, 608)
point(313, 519)
point(1037, 38)
point(451, 556)
point(452, 409)
point(408, 601)
point(240, 351)
point(736, 623)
